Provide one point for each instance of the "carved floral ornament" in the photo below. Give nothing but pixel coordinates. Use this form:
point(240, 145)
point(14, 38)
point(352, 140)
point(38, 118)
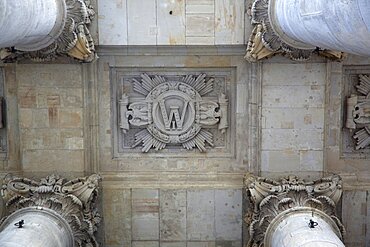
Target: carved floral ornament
point(358, 113)
point(269, 199)
point(74, 200)
point(75, 39)
point(264, 42)
point(173, 112)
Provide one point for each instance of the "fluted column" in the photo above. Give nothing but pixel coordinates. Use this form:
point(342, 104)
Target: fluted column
point(42, 30)
point(42, 227)
point(298, 28)
point(30, 25)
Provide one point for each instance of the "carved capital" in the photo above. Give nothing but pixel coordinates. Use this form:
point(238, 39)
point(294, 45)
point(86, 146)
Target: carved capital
point(269, 199)
point(74, 40)
point(73, 200)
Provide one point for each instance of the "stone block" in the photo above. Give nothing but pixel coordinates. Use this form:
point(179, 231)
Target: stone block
point(201, 244)
point(145, 214)
point(299, 96)
point(200, 25)
point(311, 160)
point(49, 161)
point(27, 97)
point(145, 244)
point(292, 139)
point(228, 215)
point(49, 75)
point(229, 22)
point(354, 212)
point(25, 117)
point(142, 26)
point(112, 18)
point(173, 244)
point(40, 118)
point(229, 244)
point(280, 161)
point(200, 40)
point(70, 118)
point(117, 216)
point(294, 74)
point(171, 22)
point(293, 118)
point(201, 215)
point(172, 215)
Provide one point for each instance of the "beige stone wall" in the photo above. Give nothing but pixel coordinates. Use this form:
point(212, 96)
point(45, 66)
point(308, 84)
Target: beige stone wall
point(51, 118)
point(292, 117)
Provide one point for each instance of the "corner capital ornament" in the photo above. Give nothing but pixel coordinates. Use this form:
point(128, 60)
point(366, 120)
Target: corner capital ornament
point(74, 200)
point(269, 199)
point(173, 112)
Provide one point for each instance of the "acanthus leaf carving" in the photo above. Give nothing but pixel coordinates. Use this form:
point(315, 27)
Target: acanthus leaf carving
point(74, 200)
point(173, 112)
point(269, 198)
point(358, 113)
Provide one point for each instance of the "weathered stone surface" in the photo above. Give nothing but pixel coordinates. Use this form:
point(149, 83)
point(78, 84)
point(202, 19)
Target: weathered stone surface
point(228, 215)
point(145, 214)
point(201, 215)
point(173, 215)
point(117, 216)
point(201, 244)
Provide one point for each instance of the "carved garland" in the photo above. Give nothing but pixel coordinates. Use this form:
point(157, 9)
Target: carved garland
point(74, 200)
point(75, 39)
point(264, 42)
point(268, 198)
point(358, 113)
point(173, 112)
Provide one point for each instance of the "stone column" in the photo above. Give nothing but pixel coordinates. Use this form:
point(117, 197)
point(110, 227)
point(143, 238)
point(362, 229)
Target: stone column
point(50, 212)
point(41, 30)
point(293, 212)
point(42, 227)
point(300, 27)
point(31, 25)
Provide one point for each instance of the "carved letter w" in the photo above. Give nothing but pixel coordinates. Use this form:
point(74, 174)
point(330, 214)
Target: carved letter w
point(174, 118)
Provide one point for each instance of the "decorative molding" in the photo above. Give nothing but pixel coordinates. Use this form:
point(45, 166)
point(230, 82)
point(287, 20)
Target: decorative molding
point(173, 112)
point(264, 42)
point(74, 41)
point(358, 113)
point(269, 198)
point(73, 200)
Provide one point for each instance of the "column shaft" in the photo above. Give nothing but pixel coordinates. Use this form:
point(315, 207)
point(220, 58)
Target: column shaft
point(30, 24)
point(330, 24)
point(42, 227)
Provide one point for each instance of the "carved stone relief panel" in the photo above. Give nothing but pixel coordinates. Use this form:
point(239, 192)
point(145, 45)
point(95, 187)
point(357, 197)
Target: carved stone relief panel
point(3, 134)
point(356, 134)
point(185, 111)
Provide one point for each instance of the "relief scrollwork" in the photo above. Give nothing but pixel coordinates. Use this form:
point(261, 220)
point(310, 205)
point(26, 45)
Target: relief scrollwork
point(173, 112)
point(269, 198)
point(358, 113)
point(75, 200)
